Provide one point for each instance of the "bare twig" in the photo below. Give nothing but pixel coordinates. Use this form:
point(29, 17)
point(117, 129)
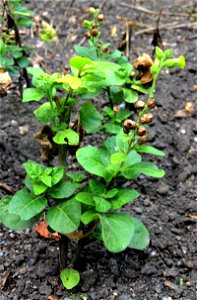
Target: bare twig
point(152, 12)
point(128, 25)
point(5, 280)
point(166, 26)
point(6, 188)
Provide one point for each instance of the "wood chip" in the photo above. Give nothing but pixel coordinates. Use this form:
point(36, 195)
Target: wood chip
point(171, 285)
point(5, 279)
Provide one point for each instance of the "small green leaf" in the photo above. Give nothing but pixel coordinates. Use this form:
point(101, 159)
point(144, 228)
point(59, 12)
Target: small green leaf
point(111, 193)
point(85, 198)
point(70, 278)
point(23, 62)
point(62, 190)
point(26, 205)
point(96, 187)
point(65, 217)
point(90, 160)
point(77, 63)
point(117, 231)
point(124, 196)
point(149, 150)
point(130, 95)
point(101, 204)
point(77, 177)
point(90, 118)
point(43, 113)
point(146, 168)
point(141, 237)
point(67, 136)
point(140, 89)
point(89, 216)
point(117, 158)
point(32, 94)
point(85, 52)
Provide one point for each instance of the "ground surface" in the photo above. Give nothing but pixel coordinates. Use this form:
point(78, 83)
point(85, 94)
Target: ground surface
point(167, 207)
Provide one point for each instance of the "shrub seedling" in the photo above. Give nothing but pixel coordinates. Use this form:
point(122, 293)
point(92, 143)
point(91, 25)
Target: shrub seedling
point(83, 207)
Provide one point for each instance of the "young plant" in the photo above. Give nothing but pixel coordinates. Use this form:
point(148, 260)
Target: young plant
point(13, 54)
point(97, 50)
point(80, 207)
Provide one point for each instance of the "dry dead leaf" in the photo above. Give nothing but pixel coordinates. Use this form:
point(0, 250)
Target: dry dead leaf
point(45, 138)
point(143, 62)
point(188, 111)
point(52, 297)
point(189, 107)
point(5, 82)
point(113, 30)
point(42, 229)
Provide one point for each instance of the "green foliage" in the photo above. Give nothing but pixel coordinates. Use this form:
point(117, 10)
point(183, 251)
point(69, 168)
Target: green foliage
point(65, 217)
point(70, 278)
point(79, 205)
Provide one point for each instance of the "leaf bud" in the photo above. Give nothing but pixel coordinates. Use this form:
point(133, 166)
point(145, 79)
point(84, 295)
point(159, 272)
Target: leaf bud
point(100, 17)
point(143, 139)
point(151, 103)
point(146, 118)
point(129, 124)
point(139, 105)
point(116, 109)
point(141, 131)
point(94, 32)
point(88, 35)
point(92, 10)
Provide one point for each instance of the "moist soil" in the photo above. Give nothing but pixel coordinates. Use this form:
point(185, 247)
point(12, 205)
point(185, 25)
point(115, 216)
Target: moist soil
point(29, 265)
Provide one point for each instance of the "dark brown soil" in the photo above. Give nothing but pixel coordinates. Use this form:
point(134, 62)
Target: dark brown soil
point(168, 268)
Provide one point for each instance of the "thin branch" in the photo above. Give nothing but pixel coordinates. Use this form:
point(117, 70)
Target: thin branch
point(167, 27)
point(152, 12)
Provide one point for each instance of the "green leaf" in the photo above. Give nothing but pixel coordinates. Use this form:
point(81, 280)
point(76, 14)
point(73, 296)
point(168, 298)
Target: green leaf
point(26, 205)
point(112, 128)
point(141, 237)
point(146, 168)
point(64, 189)
point(101, 204)
point(118, 157)
point(77, 177)
point(67, 136)
point(86, 52)
point(70, 278)
point(77, 63)
point(111, 193)
point(117, 231)
point(23, 62)
point(89, 216)
point(124, 196)
point(85, 198)
point(130, 96)
point(123, 114)
point(10, 220)
point(140, 89)
point(90, 118)
point(32, 94)
point(56, 173)
point(96, 187)
point(149, 150)
point(65, 217)
point(89, 159)
point(25, 22)
point(43, 113)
